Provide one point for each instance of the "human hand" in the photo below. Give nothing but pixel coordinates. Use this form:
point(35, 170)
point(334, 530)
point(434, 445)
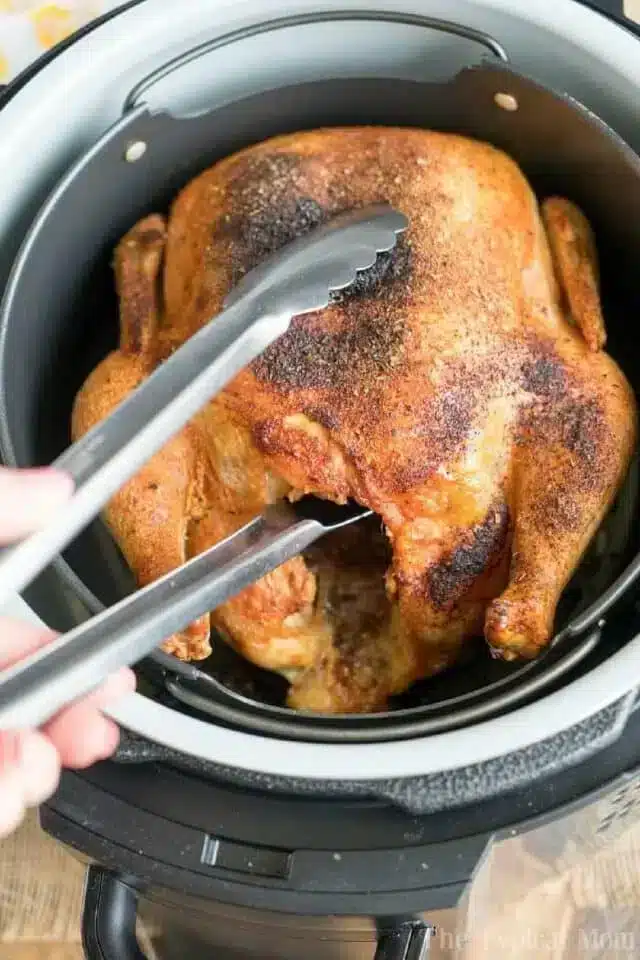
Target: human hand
point(31, 760)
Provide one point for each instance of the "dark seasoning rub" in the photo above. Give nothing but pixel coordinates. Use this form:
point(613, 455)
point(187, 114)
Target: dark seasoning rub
point(448, 580)
point(364, 339)
point(364, 343)
point(560, 412)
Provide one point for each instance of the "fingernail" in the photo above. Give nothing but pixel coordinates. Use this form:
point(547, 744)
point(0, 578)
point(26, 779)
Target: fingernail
point(129, 680)
point(118, 685)
point(10, 749)
point(40, 768)
point(12, 807)
point(111, 741)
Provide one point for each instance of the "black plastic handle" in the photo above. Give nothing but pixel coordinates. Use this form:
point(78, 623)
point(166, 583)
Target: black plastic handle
point(408, 941)
point(109, 918)
point(109, 924)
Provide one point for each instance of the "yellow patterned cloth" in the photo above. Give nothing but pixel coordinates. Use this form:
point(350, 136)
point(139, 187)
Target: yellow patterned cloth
point(29, 27)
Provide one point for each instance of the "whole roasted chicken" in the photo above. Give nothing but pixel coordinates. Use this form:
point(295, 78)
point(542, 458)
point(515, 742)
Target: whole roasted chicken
point(460, 390)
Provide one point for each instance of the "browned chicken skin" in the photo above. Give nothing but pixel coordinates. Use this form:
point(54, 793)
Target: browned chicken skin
point(460, 391)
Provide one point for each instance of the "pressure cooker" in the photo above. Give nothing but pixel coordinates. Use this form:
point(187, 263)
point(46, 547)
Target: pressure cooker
point(233, 826)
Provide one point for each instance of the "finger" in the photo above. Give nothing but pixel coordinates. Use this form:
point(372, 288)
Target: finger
point(116, 686)
point(80, 733)
point(29, 774)
point(19, 638)
point(34, 759)
point(82, 736)
point(39, 765)
point(28, 498)
point(11, 802)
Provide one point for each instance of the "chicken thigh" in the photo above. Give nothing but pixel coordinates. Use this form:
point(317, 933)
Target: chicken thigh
point(459, 389)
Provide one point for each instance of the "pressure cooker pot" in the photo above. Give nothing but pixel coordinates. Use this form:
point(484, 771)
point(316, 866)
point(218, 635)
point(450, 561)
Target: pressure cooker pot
point(556, 86)
point(59, 317)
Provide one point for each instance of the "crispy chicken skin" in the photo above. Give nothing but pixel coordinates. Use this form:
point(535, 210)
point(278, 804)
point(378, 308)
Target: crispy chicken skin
point(460, 390)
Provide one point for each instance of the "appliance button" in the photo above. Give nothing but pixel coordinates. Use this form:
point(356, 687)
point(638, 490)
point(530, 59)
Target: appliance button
point(241, 858)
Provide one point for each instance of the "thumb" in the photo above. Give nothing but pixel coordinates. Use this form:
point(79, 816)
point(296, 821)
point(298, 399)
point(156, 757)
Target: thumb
point(28, 498)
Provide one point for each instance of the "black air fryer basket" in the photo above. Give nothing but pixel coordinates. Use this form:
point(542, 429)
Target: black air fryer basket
point(59, 318)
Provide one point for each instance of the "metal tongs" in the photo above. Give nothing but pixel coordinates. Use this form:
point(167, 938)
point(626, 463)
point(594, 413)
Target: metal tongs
point(298, 279)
